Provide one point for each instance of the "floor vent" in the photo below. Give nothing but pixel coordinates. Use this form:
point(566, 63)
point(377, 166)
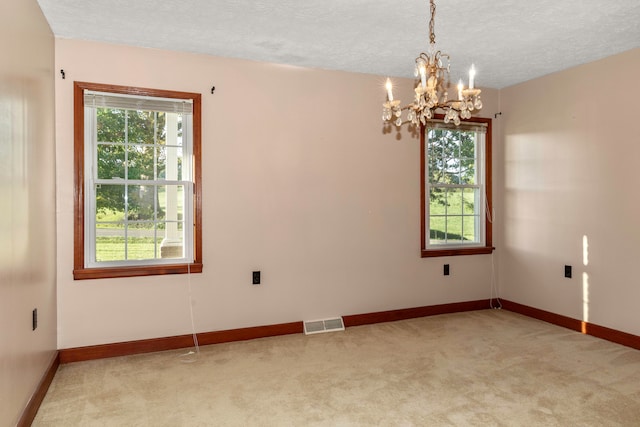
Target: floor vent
point(325, 325)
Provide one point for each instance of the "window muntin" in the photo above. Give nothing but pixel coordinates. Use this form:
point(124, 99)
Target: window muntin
point(456, 188)
point(140, 210)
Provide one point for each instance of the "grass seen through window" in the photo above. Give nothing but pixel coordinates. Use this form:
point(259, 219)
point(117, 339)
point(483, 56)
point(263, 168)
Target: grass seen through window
point(452, 217)
point(142, 241)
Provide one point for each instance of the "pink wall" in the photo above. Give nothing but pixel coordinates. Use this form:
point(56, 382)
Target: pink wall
point(569, 171)
point(27, 204)
point(299, 182)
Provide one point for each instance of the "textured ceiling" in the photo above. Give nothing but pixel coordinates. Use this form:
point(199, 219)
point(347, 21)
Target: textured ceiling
point(509, 41)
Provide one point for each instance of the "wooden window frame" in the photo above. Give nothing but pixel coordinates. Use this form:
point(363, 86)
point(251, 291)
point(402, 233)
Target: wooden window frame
point(80, 272)
point(487, 248)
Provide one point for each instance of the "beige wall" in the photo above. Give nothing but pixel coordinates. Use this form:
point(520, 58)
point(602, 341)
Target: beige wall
point(299, 182)
point(570, 173)
point(27, 204)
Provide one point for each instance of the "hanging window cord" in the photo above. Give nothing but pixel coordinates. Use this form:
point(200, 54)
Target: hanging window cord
point(494, 299)
point(192, 355)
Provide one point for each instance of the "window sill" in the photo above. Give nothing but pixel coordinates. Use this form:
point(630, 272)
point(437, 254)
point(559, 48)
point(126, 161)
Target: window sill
point(457, 251)
point(149, 270)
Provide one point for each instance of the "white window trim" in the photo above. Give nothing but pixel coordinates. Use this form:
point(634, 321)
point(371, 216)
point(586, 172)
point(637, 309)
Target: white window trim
point(90, 174)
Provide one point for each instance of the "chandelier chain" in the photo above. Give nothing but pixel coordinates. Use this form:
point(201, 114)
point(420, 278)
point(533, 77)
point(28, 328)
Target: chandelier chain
point(432, 33)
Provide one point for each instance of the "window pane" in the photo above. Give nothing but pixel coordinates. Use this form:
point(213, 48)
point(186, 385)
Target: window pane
point(467, 158)
point(180, 121)
point(433, 135)
point(171, 202)
point(467, 171)
point(170, 163)
point(140, 162)
point(435, 156)
point(141, 202)
point(142, 241)
point(161, 156)
point(454, 229)
point(470, 197)
point(110, 244)
point(454, 201)
point(467, 144)
point(109, 197)
point(435, 165)
point(437, 229)
point(451, 171)
point(471, 234)
point(141, 126)
point(173, 243)
point(107, 218)
point(449, 141)
point(437, 201)
point(139, 248)
point(160, 130)
point(110, 161)
point(110, 125)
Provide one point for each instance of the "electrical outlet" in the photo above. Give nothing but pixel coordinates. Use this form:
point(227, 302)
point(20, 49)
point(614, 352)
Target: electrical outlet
point(446, 269)
point(567, 271)
point(34, 319)
point(256, 277)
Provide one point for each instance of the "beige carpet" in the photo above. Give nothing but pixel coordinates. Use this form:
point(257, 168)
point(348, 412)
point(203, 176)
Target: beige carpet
point(483, 368)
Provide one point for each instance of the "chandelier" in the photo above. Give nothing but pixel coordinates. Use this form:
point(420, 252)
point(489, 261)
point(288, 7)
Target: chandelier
point(432, 73)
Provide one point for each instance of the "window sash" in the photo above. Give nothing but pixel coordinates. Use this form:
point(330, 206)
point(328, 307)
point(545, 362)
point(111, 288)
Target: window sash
point(479, 205)
point(131, 102)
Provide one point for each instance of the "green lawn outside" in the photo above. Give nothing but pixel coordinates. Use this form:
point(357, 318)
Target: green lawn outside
point(113, 248)
point(111, 216)
point(452, 217)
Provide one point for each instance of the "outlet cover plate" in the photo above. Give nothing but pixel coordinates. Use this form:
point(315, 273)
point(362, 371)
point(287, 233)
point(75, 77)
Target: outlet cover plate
point(567, 271)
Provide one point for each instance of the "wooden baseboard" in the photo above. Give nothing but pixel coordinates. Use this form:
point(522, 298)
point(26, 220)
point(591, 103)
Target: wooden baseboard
point(172, 343)
point(410, 313)
point(587, 328)
point(78, 354)
point(184, 341)
point(29, 413)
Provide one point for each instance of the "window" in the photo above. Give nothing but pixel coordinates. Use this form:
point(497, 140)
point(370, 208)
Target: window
point(137, 182)
point(456, 188)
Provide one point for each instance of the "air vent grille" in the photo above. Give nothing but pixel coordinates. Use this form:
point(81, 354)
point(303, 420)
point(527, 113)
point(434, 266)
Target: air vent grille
point(323, 325)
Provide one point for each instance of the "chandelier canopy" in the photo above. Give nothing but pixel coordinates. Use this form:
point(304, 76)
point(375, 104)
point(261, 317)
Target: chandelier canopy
point(432, 85)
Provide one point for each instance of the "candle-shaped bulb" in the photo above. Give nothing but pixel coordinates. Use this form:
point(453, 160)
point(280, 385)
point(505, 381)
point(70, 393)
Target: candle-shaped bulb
point(423, 76)
point(472, 76)
point(389, 92)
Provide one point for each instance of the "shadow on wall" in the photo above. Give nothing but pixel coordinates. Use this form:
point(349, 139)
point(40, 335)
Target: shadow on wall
point(413, 131)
